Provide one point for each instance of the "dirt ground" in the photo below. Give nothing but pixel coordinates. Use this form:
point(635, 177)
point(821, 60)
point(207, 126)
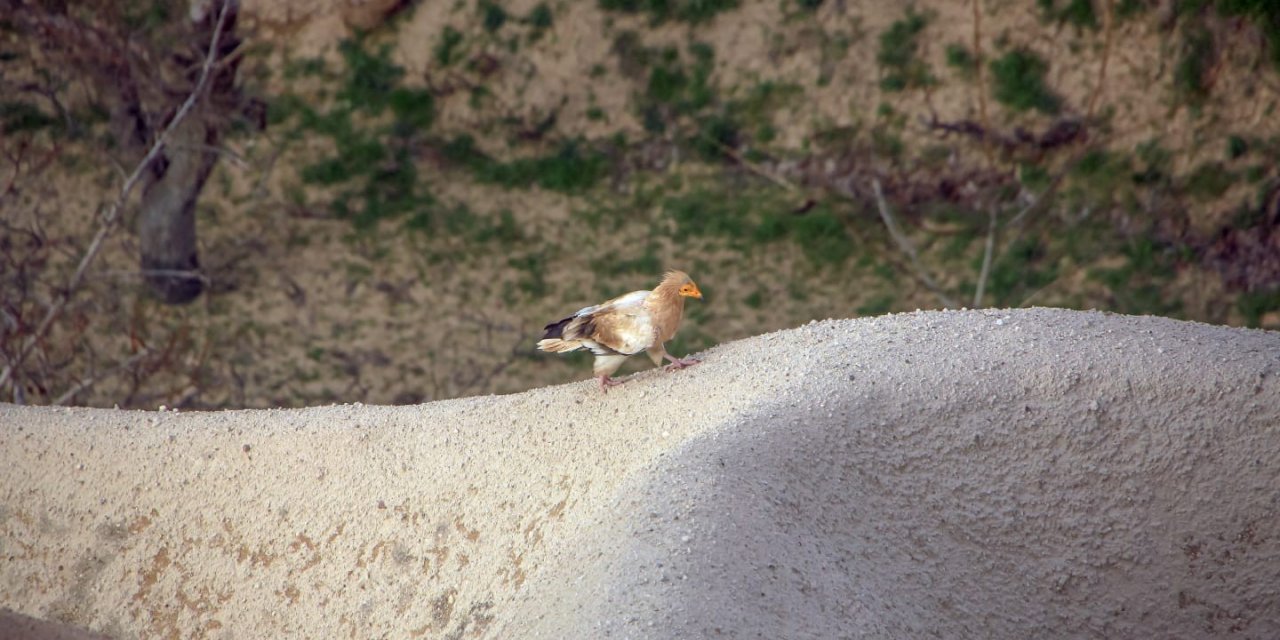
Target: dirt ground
point(302, 310)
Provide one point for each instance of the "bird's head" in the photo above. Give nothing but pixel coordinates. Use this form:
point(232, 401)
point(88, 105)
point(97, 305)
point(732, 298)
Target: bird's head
point(690, 290)
point(683, 284)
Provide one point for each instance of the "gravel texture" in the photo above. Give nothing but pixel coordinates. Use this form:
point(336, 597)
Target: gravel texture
point(1000, 474)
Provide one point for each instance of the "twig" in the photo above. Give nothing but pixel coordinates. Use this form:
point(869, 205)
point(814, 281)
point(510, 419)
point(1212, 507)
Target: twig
point(982, 84)
point(92, 380)
point(113, 214)
point(162, 273)
point(1014, 223)
point(1027, 300)
point(904, 243)
point(986, 258)
point(1049, 190)
point(751, 166)
point(1102, 67)
point(484, 380)
point(230, 155)
point(1062, 132)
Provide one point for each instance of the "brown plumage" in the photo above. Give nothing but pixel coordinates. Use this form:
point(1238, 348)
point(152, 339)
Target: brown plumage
point(626, 325)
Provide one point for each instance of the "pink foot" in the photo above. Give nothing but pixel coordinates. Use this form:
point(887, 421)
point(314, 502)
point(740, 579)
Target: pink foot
point(680, 363)
point(606, 382)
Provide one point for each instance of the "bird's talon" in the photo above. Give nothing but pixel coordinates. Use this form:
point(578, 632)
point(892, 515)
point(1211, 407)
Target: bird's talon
point(680, 363)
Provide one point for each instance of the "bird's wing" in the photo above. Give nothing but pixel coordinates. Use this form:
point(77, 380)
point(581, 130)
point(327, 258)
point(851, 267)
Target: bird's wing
point(623, 332)
point(622, 302)
point(622, 325)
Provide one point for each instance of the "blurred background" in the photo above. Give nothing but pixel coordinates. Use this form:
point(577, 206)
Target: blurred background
point(384, 201)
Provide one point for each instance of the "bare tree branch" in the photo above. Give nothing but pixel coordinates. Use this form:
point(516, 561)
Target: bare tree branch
point(986, 258)
point(143, 273)
point(982, 83)
point(88, 383)
point(904, 243)
point(751, 166)
point(1047, 193)
point(113, 213)
point(230, 155)
point(1063, 131)
point(1106, 56)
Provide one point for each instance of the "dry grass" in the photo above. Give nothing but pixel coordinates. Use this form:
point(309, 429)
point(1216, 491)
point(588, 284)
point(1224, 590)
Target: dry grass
point(303, 309)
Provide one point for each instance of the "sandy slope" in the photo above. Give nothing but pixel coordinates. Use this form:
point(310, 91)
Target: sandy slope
point(969, 474)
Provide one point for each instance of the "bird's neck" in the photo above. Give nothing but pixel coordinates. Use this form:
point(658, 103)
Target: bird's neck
point(667, 307)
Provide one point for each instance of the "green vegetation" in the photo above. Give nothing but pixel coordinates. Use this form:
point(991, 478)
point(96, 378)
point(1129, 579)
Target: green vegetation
point(493, 16)
point(1033, 176)
point(373, 170)
point(371, 167)
point(887, 144)
point(1137, 287)
point(1254, 305)
point(449, 180)
point(716, 133)
point(1156, 160)
point(17, 117)
point(33, 106)
point(1236, 147)
point(1077, 13)
point(1198, 48)
point(758, 217)
point(692, 11)
point(1208, 181)
point(819, 232)
point(446, 52)
point(1075, 256)
point(709, 213)
point(961, 59)
point(675, 89)
point(146, 16)
point(680, 97)
point(755, 110)
point(877, 305)
point(1023, 269)
point(459, 221)
point(1018, 79)
point(533, 268)
point(1130, 8)
point(540, 19)
point(900, 68)
point(647, 263)
point(1191, 74)
point(569, 168)
point(1263, 13)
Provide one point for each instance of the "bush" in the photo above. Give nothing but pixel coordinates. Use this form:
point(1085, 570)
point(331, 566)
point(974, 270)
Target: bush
point(1018, 77)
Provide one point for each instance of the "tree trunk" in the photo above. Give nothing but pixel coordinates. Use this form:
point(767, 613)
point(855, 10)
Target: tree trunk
point(167, 221)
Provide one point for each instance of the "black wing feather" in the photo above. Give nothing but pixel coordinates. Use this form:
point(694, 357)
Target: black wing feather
point(586, 325)
point(556, 329)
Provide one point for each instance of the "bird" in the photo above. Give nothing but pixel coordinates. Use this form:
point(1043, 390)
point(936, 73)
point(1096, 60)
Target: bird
point(624, 326)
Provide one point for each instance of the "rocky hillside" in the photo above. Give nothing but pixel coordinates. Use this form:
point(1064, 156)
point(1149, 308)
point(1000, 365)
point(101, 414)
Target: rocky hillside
point(425, 185)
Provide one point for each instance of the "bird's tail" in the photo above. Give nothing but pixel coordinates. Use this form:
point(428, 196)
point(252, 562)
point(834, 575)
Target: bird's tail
point(556, 329)
point(555, 340)
point(556, 345)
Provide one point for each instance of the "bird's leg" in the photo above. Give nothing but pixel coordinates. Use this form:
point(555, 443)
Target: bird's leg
point(679, 363)
point(606, 382)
